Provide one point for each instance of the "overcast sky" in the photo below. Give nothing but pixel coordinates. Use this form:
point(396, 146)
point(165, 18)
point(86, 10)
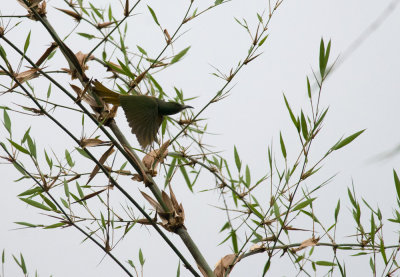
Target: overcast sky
point(362, 93)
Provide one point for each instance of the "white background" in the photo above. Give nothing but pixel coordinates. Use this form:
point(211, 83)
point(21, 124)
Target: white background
point(362, 93)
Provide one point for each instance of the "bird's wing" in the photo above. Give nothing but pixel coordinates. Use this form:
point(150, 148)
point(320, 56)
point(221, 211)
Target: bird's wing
point(142, 115)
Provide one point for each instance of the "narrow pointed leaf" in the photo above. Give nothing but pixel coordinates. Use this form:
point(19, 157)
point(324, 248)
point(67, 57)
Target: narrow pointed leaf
point(347, 140)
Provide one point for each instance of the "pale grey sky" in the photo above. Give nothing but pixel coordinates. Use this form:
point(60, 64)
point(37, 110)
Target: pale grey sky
point(363, 93)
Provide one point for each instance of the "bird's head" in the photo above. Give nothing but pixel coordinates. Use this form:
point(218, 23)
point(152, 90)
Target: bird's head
point(169, 108)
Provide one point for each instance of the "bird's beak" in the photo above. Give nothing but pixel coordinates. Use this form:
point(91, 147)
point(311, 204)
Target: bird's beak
point(187, 107)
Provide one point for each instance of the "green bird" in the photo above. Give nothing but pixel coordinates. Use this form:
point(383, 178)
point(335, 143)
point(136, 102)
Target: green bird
point(143, 113)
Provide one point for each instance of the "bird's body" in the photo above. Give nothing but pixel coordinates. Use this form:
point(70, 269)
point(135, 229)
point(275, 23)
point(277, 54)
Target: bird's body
point(143, 113)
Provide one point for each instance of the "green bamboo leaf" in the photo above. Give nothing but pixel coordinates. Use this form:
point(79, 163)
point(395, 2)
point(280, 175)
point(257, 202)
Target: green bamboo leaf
point(115, 68)
point(85, 35)
point(185, 176)
point(308, 88)
point(55, 225)
point(266, 267)
point(25, 137)
point(397, 183)
point(126, 71)
point(96, 11)
point(26, 224)
point(180, 55)
point(103, 221)
point(68, 158)
point(35, 204)
point(327, 52)
point(83, 153)
point(283, 148)
point(23, 265)
point(153, 14)
point(110, 16)
point(27, 41)
point(325, 263)
point(248, 176)
point(31, 146)
point(19, 147)
point(19, 168)
point(31, 191)
point(65, 203)
point(237, 159)
point(7, 121)
point(155, 83)
point(383, 252)
point(170, 171)
point(141, 258)
point(66, 188)
point(276, 211)
point(343, 142)
point(372, 265)
point(373, 228)
point(48, 160)
point(131, 264)
point(259, 18)
point(164, 126)
point(303, 204)
point(217, 2)
point(226, 226)
point(321, 118)
point(295, 122)
point(49, 202)
point(234, 242)
point(322, 58)
point(304, 126)
point(81, 195)
point(263, 40)
point(337, 210)
point(141, 50)
point(178, 271)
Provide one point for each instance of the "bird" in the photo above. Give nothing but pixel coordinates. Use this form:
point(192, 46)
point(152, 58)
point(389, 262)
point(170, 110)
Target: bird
point(143, 113)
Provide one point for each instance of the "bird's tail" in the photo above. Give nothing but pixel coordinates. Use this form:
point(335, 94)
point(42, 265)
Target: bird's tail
point(106, 94)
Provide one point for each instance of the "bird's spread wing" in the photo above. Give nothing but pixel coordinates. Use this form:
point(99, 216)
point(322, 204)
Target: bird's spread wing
point(142, 115)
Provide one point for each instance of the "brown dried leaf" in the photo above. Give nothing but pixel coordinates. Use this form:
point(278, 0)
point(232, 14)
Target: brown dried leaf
point(167, 36)
point(40, 8)
point(102, 160)
point(137, 178)
point(27, 75)
point(82, 95)
point(93, 142)
point(143, 221)
point(90, 195)
point(223, 265)
point(167, 201)
point(257, 248)
point(79, 59)
point(73, 14)
point(126, 9)
point(104, 25)
point(32, 3)
point(309, 242)
point(139, 78)
point(33, 110)
point(153, 202)
point(46, 54)
point(152, 159)
point(290, 228)
point(24, 76)
point(173, 198)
